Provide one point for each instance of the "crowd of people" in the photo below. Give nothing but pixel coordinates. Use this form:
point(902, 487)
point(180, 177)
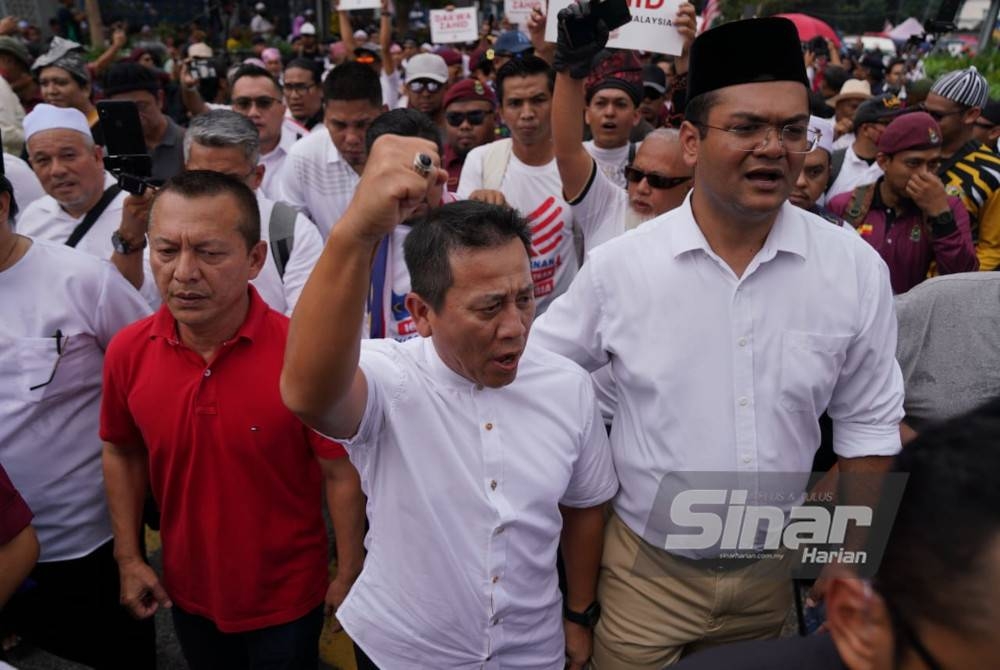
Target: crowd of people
point(312, 317)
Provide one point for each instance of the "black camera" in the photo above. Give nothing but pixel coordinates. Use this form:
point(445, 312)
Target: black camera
point(128, 159)
point(201, 69)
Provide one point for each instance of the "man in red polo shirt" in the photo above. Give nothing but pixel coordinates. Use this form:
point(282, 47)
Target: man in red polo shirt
point(192, 405)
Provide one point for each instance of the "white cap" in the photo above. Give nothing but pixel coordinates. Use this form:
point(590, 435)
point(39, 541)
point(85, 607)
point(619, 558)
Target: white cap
point(260, 6)
point(427, 66)
point(200, 50)
point(49, 117)
point(825, 127)
point(361, 35)
point(307, 29)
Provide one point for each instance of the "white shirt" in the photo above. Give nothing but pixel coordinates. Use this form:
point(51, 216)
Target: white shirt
point(273, 161)
point(391, 85)
point(603, 209)
point(27, 188)
point(536, 192)
point(611, 161)
point(316, 181)
point(720, 373)
point(854, 172)
point(48, 436)
point(281, 295)
point(464, 486)
point(45, 219)
point(11, 119)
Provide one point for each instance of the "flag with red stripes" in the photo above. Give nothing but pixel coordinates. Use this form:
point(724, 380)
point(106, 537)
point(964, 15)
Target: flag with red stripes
point(711, 12)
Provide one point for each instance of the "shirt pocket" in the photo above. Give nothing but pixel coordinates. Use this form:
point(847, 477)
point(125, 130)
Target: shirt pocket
point(810, 367)
point(48, 369)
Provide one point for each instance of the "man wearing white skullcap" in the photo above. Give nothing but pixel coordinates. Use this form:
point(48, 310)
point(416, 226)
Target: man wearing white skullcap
point(969, 169)
point(83, 203)
point(810, 188)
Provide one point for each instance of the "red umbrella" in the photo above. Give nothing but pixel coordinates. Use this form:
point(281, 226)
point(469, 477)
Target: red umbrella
point(810, 27)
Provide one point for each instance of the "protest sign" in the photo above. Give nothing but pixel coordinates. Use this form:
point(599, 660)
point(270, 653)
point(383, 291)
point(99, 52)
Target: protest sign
point(518, 11)
point(454, 25)
point(353, 5)
point(651, 27)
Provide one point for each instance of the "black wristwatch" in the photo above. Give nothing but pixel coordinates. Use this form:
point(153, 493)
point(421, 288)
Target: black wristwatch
point(586, 618)
point(123, 246)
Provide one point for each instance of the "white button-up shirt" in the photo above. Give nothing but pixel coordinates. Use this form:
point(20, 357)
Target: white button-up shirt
point(281, 293)
point(274, 160)
point(50, 398)
point(464, 485)
point(723, 373)
point(316, 181)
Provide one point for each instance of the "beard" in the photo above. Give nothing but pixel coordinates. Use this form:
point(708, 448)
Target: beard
point(634, 219)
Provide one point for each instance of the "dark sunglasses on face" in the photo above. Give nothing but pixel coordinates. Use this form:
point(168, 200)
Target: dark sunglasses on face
point(938, 116)
point(475, 118)
point(429, 85)
point(659, 181)
point(263, 102)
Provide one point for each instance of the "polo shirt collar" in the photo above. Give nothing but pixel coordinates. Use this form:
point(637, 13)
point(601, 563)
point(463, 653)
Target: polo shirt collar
point(788, 233)
point(165, 326)
point(332, 155)
point(440, 371)
point(288, 139)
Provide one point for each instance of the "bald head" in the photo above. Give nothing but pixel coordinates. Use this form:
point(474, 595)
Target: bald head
point(660, 154)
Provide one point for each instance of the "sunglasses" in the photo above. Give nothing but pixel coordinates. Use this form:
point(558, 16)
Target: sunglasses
point(263, 103)
point(475, 118)
point(658, 181)
point(940, 115)
point(429, 85)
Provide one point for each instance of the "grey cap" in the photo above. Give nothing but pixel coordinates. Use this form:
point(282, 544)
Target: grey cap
point(16, 48)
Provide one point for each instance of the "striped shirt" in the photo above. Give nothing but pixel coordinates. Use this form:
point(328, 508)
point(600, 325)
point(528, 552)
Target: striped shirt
point(973, 174)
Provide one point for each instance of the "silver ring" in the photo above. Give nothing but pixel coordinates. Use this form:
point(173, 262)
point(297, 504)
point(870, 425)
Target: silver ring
point(422, 164)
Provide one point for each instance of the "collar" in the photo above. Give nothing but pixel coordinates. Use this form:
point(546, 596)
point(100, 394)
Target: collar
point(905, 206)
point(332, 155)
point(451, 156)
point(788, 234)
point(440, 371)
point(165, 326)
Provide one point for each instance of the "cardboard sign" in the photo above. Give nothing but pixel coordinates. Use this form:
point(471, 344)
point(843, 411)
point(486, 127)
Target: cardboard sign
point(651, 28)
point(354, 5)
point(456, 25)
point(518, 11)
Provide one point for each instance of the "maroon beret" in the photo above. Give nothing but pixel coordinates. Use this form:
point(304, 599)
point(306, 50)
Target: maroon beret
point(910, 132)
point(450, 56)
point(469, 89)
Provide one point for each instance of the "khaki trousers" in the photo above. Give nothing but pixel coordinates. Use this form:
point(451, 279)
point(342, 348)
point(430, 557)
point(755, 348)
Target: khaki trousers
point(657, 607)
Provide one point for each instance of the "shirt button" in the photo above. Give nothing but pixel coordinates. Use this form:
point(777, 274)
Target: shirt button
point(479, 387)
point(742, 341)
point(499, 530)
point(208, 372)
point(747, 459)
point(489, 426)
point(744, 401)
point(496, 579)
point(493, 485)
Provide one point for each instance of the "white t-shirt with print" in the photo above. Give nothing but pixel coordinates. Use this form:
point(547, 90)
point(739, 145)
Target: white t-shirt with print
point(612, 162)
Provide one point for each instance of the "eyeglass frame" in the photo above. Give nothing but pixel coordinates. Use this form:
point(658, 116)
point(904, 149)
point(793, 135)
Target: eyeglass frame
point(60, 349)
point(939, 116)
point(300, 88)
point(255, 101)
point(732, 130)
point(673, 182)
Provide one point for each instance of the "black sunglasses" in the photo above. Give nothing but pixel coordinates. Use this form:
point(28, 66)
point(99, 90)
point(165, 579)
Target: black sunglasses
point(475, 117)
point(938, 116)
point(635, 175)
point(263, 103)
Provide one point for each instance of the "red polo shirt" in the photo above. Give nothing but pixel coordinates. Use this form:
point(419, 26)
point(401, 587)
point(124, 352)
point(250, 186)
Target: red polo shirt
point(234, 472)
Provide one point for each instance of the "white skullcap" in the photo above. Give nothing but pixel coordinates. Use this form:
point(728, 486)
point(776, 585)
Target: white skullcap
point(50, 117)
point(825, 127)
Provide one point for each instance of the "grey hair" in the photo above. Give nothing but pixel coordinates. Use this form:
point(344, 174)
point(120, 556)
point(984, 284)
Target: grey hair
point(669, 134)
point(223, 128)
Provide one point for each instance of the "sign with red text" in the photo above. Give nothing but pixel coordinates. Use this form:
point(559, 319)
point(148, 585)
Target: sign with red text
point(518, 11)
point(354, 5)
point(651, 27)
point(454, 25)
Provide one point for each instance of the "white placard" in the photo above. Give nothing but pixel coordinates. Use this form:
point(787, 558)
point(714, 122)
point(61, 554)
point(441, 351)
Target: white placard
point(518, 11)
point(355, 5)
point(651, 28)
point(454, 25)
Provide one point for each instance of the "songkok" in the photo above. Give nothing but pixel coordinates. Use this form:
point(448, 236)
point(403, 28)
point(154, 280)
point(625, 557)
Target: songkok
point(966, 87)
point(49, 117)
point(910, 132)
point(769, 50)
point(469, 89)
point(67, 55)
point(615, 69)
point(127, 77)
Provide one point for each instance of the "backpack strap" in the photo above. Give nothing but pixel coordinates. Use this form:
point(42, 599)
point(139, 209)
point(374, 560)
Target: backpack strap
point(281, 232)
point(82, 228)
point(836, 163)
point(861, 202)
point(495, 163)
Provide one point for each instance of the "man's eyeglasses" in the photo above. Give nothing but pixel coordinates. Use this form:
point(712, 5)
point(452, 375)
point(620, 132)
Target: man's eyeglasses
point(658, 181)
point(429, 85)
point(793, 138)
point(938, 116)
point(58, 337)
point(475, 118)
point(297, 88)
point(263, 103)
